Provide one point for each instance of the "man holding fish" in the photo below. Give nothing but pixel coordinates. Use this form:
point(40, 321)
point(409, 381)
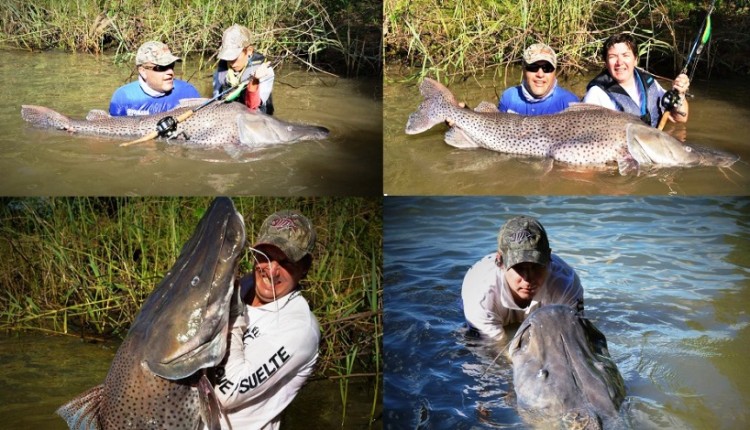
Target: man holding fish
point(505, 287)
point(273, 345)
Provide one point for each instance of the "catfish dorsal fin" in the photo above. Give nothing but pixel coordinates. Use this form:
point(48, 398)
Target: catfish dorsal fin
point(83, 411)
point(578, 107)
point(486, 107)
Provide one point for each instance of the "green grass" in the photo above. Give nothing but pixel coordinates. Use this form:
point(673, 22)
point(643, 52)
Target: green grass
point(452, 40)
point(328, 35)
point(83, 267)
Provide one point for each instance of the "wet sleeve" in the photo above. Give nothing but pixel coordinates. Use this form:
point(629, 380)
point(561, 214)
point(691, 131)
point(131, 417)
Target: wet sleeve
point(265, 87)
point(478, 301)
point(216, 84)
point(116, 105)
point(597, 96)
point(255, 366)
point(567, 286)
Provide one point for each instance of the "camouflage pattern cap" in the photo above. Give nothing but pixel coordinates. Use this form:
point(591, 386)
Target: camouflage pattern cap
point(522, 239)
point(540, 52)
point(290, 231)
point(235, 39)
point(155, 52)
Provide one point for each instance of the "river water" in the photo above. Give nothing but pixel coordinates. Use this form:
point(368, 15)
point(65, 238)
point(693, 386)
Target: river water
point(424, 165)
point(666, 279)
point(40, 373)
point(46, 162)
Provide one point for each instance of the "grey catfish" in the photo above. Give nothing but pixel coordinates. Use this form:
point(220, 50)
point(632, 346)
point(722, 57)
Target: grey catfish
point(155, 380)
point(217, 125)
point(562, 370)
point(582, 134)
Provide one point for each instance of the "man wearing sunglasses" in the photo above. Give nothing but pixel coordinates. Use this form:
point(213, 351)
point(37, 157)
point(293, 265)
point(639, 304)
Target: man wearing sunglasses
point(156, 89)
point(538, 93)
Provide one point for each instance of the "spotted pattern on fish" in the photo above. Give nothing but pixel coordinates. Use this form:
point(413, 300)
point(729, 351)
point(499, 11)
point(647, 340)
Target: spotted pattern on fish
point(581, 135)
point(201, 281)
point(216, 125)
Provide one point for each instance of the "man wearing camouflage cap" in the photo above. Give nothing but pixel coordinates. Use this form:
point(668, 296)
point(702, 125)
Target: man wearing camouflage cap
point(156, 89)
point(506, 286)
point(273, 345)
point(239, 63)
point(538, 93)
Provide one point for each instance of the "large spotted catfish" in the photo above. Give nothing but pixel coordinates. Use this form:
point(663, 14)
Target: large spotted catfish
point(584, 135)
point(218, 125)
point(156, 380)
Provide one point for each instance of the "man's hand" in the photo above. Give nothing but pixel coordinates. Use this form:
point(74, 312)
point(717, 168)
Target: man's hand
point(681, 84)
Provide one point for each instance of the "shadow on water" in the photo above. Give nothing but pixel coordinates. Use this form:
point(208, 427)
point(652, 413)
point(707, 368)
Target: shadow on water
point(47, 162)
point(424, 164)
point(40, 373)
point(666, 280)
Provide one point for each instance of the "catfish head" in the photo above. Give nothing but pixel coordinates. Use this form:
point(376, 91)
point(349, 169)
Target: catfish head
point(184, 323)
point(562, 369)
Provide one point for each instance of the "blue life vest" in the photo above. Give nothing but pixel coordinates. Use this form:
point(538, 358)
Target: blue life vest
point(650, 109)
point(265, 88)
point(130, 99)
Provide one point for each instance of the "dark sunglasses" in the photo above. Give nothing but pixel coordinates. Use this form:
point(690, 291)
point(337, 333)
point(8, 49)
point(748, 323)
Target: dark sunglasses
point(533, 68)
point(158, 68)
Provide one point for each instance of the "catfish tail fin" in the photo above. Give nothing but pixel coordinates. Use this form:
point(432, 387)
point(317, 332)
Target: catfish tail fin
point(438, 102)
point(41, 116)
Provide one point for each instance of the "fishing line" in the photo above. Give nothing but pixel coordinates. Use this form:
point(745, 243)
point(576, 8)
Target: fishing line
point(271, 277)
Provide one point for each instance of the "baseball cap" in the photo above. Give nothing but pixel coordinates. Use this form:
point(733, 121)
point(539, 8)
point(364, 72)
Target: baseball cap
point(290, 231)
point(155, 52)
point(235, 39)
point(540, 52)
point(522, 239)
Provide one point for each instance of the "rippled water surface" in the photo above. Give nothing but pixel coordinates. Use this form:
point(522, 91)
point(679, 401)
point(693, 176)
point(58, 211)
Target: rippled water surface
point(424, 164)
point(667, 280)
point(46, 162)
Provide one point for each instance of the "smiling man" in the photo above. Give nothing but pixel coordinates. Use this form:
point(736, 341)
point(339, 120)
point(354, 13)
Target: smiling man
point(623, 87)
point(156, 89)
point(273, 345)
point(505, 287)
point(538, 93)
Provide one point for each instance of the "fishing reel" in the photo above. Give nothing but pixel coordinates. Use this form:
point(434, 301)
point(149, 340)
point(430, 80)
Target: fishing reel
point(670, 100)
point(166, 127)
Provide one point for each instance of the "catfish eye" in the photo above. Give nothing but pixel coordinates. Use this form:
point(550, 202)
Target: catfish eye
point(542, 374)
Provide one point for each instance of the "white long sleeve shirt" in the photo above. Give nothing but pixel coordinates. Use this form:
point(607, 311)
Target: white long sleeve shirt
point(488, 302)
point(269, 360)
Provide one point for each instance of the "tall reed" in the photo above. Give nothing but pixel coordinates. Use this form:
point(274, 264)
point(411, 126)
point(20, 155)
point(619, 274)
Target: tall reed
point(453, 39)
point(83, 266)
point(337, 36)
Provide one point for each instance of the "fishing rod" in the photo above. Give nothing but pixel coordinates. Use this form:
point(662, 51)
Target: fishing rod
point(671, 98)
point(168, 125)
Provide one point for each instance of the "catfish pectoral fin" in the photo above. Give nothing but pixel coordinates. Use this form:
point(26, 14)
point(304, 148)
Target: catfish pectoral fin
point(210, 409)
point(82, 413)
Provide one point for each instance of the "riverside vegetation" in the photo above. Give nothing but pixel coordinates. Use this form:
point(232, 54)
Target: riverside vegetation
point(456, 39)
point(83, 267)
point(336, 36)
